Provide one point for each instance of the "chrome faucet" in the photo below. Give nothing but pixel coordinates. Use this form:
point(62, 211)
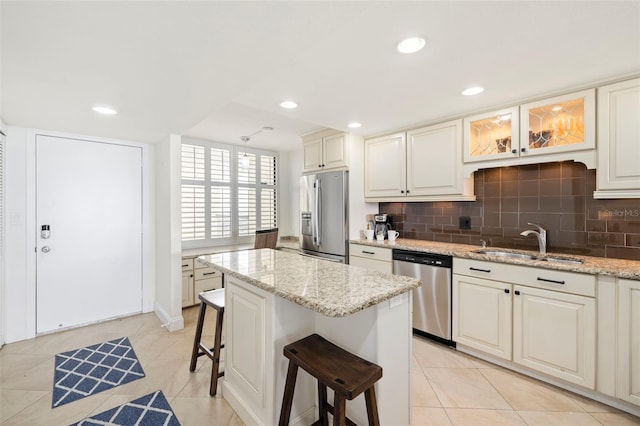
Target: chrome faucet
point(541, 234)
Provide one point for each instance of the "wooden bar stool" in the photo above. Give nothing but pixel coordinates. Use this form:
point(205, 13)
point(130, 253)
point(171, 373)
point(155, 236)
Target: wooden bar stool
point(214, 299)
point(347, 374)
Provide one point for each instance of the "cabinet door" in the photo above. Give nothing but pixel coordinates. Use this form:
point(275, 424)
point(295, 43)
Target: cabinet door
point(385, 167)
point(246, 330)
point(482, 315)
point(555, 333)
point(187, 289)
point(559, 124)
point(334, 150)
point(619, 139)
point(312, 155)
point(492, 136)
point(434, 160)
point(628, 383)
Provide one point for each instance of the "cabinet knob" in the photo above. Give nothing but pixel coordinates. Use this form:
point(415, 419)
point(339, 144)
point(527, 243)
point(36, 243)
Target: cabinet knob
point(506, 290)
point(514, 151)
point(523, 149)
point(402, 191)
point(517, 292)
point(407, 191)
point(319, 165)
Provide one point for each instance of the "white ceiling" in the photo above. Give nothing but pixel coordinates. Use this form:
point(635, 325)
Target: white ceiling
point(217, 70)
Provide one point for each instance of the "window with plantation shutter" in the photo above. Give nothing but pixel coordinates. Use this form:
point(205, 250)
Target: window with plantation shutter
point(228, 193)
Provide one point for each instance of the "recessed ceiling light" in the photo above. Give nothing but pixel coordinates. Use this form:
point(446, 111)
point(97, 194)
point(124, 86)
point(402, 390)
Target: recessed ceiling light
point(101, 109)
point(411, 45)
point(288, 104)
point(472, 91)
point(354, 125)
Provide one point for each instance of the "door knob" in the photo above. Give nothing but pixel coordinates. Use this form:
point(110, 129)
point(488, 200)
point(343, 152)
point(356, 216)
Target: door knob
point(46, 249)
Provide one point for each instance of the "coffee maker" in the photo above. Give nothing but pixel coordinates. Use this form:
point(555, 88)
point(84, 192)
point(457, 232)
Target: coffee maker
point(382, 223)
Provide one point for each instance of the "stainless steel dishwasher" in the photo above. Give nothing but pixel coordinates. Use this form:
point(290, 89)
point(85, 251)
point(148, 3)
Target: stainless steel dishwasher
point(432, 300)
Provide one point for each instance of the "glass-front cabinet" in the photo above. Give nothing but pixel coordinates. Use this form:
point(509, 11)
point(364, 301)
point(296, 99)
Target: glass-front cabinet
point(563, 123)
point(554, 125)
point(491, 135)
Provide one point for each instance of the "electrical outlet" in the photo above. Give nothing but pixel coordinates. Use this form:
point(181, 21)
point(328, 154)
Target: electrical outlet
point(464, 222)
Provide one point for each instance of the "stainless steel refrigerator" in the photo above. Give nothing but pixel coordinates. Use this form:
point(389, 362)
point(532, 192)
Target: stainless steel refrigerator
point(324, 223)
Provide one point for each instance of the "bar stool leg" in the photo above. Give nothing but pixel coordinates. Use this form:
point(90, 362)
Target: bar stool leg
point(217, 346)
point(287, 399)
point(322, 405)
point(196, 341)
point(339, 410)
point(372, 406)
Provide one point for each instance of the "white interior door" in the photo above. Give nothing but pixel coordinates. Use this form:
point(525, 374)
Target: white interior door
point(90, 267)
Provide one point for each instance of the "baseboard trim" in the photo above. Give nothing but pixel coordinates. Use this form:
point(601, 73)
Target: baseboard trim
point(168, 322)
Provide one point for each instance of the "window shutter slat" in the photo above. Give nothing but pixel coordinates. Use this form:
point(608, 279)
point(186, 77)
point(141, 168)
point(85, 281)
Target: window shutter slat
point(193, 212)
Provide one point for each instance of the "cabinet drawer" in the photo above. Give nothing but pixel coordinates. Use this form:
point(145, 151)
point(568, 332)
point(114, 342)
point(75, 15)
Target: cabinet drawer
point(187, 263)
point(371, 264)
point(567, 282)
point(206, 285)
point(370, 252)
point(205, 273)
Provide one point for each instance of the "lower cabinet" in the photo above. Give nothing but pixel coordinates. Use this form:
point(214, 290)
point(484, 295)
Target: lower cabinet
point(543, 329)
point(196, 278)
point(554, 333)
point(628, 366)
point(482, 317)
point(371, 257)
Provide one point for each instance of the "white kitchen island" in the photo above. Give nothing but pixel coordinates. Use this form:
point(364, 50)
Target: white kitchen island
point(274, 298)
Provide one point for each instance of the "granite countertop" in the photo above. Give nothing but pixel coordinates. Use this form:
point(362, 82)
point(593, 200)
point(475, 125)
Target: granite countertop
point(592, 265)
point(330, 288)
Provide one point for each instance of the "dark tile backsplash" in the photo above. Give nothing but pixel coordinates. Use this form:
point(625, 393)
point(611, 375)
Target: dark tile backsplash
point(559, 196)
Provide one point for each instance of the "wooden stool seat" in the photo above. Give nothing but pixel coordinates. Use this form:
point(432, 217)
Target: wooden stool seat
point(346, 374)
point(214, 299)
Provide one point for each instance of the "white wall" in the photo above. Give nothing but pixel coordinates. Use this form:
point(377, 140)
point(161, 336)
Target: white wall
point(3, 247)
point(290, 171)
point(168, 283)
point(358, 209)
point(20, 258)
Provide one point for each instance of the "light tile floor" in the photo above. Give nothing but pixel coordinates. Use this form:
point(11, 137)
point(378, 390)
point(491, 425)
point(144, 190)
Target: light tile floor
point(449, 388)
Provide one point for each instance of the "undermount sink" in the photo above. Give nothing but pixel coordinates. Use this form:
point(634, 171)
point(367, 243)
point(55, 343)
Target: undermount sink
point(513, 255)
point(570, 260)
point(499, 253)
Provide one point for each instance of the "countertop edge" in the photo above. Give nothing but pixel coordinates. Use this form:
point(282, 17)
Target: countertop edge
point(620, 268)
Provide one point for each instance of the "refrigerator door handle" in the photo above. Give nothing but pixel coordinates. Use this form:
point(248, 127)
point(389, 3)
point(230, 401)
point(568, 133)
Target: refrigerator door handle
point(318, 209)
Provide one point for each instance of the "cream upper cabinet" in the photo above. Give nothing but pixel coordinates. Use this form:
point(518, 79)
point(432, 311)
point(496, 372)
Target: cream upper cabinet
point(385, 166)
point(554, 129)
point(559, 124)
point(628, 374)
point(619, 140)
point(325, 150)
point(554, 333)
point(473, 298)
point(419, 165)
point(492, 135)
point(434, 161)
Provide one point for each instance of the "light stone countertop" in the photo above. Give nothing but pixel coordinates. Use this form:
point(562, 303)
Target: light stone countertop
point(592, 265)
point(330, 288)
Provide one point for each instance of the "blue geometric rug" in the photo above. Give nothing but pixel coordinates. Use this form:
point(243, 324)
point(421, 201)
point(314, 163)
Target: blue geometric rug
point(96, 368)
point(149, 410)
